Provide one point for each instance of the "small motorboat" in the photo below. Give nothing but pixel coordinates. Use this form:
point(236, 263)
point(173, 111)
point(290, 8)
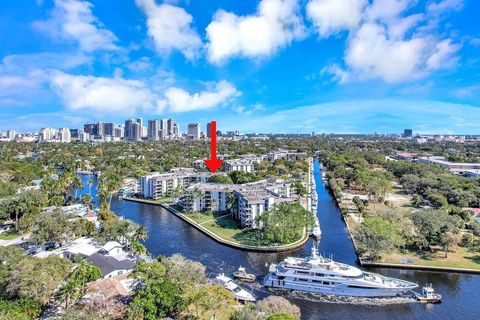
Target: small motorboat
point(428, 295)
point(241, 274)
point(239, 293)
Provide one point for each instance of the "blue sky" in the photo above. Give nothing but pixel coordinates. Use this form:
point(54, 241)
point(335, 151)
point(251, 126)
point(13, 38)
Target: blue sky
point(295, 66)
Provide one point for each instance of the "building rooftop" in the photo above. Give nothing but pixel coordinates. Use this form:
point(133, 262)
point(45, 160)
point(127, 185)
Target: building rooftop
point(108, 264)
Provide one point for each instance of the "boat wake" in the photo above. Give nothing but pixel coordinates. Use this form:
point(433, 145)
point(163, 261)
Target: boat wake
point(315, 297)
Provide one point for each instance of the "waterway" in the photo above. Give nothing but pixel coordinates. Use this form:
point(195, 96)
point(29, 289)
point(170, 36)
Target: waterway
point(168, 235)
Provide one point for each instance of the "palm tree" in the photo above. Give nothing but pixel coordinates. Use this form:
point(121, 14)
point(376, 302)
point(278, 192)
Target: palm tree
point(19, 208)
point(141, 233)
point(90, 184)
point(137, 248)
point(77, 184)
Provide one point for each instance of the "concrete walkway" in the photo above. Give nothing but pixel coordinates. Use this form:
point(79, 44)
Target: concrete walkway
point(18, 240)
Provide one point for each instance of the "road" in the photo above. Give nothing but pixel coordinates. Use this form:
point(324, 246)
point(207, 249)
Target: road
point(18, 240)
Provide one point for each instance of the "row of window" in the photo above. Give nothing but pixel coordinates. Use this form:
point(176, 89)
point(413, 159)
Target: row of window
point(327, 275)
point(325, 283)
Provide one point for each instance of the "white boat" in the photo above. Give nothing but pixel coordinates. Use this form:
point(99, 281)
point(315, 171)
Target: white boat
point(316, 231)
point(239, 293)
point(321, 275)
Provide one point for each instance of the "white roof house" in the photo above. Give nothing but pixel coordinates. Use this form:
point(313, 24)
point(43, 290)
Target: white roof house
point(82, 246)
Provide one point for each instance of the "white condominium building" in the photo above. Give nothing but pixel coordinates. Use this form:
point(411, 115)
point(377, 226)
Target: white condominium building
point(208, 197)
point(64, 135)
point(252, 203)
point(47, 134)
point(158, 185)
point(243, 165)
point(286, 154)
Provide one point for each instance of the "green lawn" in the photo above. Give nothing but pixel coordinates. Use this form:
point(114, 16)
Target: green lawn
point(227, 228)
point(200, 217)
point(165, 200)
point(461, 258)
point(9, 236)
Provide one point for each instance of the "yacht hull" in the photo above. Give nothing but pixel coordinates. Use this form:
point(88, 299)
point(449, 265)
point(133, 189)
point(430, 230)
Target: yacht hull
point(338, 290)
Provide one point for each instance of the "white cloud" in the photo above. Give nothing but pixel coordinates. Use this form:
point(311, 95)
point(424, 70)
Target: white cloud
point(443, 56)
point(140, 65)
point(466, 92)
point(73, 20)
point(338, 74)
point(372, 54)
point(129, 97)
point(103, 95)
point(275, 25)
point(385, 43)
point(387, 9)
point(248, 110)
point(179, 100)
point(170, 28)
point(43, 60)
point(445, 5)
point(332, 16)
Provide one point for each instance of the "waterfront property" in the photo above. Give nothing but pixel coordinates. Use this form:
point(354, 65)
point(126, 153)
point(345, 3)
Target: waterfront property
point(252, 201)
point(246, 202)
point(159, 185)
point(110, 258)
point(213, 197)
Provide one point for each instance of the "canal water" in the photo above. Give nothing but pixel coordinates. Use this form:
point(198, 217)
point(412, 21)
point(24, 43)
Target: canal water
point(168, 235)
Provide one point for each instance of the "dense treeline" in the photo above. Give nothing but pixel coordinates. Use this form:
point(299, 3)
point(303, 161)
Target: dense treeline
point(178, 288)
point(364, 169)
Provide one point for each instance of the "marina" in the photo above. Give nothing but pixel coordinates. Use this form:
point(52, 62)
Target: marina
point(315, 231)
point(169, 234)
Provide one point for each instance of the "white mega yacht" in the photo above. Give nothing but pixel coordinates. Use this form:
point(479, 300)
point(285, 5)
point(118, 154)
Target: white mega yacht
point(321, 275)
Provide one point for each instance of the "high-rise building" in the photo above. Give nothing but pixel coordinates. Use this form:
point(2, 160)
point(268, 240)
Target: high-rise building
point(11, 134)
point(176, 130)
point(108, 129)
point(164, 129)
point(407, 133)
point(47, 134)
point(135, 132)
point(193, 131)
point(84, 137)
point(75, 133)
point(64, 135)
point(128, 124)
point(209, 130)
point(153, 130)
point(170, 125)
point(118, 132)
point(90, 128)
point(100, 129)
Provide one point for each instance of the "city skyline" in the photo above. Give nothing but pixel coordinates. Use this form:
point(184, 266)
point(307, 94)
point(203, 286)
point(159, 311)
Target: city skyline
point(69, 62)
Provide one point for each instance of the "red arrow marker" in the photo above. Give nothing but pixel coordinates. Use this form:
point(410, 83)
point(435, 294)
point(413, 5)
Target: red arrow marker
point(213, 163)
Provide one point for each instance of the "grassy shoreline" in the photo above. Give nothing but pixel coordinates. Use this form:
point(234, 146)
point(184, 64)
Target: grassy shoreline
point(462, 260)
point(224, 230)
